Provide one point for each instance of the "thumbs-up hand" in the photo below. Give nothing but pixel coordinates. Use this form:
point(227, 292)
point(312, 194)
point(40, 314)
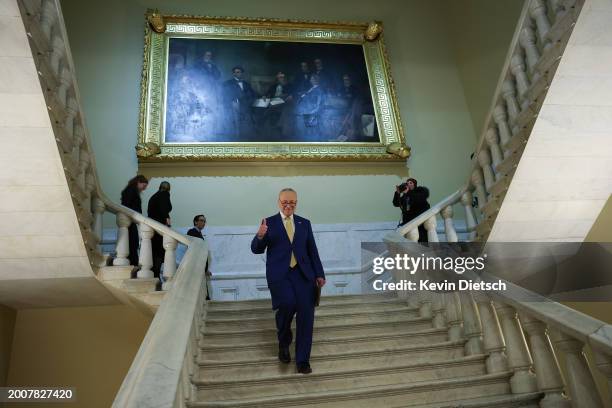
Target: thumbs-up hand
point(263, 229)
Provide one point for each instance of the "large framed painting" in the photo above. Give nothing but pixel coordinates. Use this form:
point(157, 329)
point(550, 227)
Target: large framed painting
point(255, 89)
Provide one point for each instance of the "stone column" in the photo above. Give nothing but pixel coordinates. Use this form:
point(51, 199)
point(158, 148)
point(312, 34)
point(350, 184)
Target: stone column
point(437, 308)
point(478, 183)
point(453, 316)
point(519, 359)
point(580, 382)
point(472, 328)
point(492, 140)
point(548, 374)
point(449, 227)
point(470, 218)
point(169, 261)
point(484, 160)
point(493, 340)
point(146, 252)
point(122, 247)
point(98, 211)
point(430, 226)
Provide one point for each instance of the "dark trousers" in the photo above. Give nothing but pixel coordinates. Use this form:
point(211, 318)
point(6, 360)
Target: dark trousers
point(133, 240)
point(294, 295)
point(157, 247)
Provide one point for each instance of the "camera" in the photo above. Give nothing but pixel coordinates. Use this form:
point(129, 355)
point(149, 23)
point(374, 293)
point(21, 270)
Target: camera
point(402, 186)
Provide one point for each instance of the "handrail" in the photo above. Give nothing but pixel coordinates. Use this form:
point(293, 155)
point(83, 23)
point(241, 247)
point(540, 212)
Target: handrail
point(154, 377)
point(536, 47)
point(141, 219)
point(421, 218)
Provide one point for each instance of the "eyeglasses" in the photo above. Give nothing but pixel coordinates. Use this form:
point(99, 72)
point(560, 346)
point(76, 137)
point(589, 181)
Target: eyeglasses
point(293, 203)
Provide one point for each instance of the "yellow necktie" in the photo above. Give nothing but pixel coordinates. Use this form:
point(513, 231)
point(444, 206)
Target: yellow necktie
point(290, 233)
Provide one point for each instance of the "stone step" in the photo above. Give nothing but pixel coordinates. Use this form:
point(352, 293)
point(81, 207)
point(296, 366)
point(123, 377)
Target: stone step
point(388, 396)
point(141, 285)
point(269, 322)
point(530, 400)
point(402, 372)
point(322, 331)
point(107, 273)
point(325, 300)
point(336, 361)
point(230, 353)
point(390, 305)
point(356, 342)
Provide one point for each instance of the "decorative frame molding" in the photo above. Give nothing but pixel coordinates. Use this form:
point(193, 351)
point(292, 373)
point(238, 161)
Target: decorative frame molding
point(159, 28)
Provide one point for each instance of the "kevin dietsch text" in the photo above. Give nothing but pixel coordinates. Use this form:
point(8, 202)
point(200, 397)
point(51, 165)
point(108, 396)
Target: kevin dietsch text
point(445, 286)
point(424, 264)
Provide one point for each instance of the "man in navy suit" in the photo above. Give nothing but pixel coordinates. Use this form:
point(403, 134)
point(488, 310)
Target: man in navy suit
point(293, 268)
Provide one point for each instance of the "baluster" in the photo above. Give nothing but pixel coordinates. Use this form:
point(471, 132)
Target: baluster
point(537, 11)
point(496, 153)
point(556, 9)
point(437, 308)
point(58, 52)
point(548, 375)
point(478, 183)
point(519, 360)
point(33, 7)
point(413, 234)
point(471, 324)
point(83, 165)
point(449, 227)
point(98, 210)
point(579, 379)
point(453, 316)
point(48, 17)
point(509, 94)
point(122, 247)
point(603, 362)
point(64, 85)
point(430, 225)
point(169, 261)
point(79, 137)
point(470, 218)
point(145, 260)
point(484, 160)
point(527, 40)
point(71, 108)
point(501, 120)
point(90, 186)
point(517, 67)
point(425, 305)
point(492, 338)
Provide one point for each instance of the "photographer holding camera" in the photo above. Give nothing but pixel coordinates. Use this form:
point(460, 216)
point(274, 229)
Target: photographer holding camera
point(412, 200)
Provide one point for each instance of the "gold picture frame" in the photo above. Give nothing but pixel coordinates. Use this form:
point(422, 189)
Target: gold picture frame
point(160, 30)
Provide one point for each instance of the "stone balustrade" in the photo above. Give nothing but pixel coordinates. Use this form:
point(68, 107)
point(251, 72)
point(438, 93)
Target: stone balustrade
point(48, 40)
point(536, 49)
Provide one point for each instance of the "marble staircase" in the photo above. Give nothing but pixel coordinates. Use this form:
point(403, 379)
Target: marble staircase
point(368, 350)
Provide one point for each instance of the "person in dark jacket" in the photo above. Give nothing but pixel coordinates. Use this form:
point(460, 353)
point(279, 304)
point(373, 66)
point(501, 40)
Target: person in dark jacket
point(199, 222)
point(400, 198)
point(412, 200)
point(130, 197)
point(417, 198)
point(159, 209)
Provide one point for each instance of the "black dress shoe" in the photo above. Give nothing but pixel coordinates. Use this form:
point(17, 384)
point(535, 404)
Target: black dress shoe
point(283, 355)
point(304, 368)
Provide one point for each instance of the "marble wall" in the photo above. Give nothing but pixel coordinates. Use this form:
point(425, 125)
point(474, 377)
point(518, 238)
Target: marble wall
point(238, 274)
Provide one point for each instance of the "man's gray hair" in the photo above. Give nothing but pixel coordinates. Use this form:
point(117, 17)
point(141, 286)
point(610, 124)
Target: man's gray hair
point(287, 189)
